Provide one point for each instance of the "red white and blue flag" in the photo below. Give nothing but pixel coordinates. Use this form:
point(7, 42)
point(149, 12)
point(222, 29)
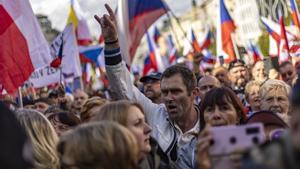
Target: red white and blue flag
point(93, 53)
point(274, 29)
point(148, 66)
point(206, 41)
point(295, 13)
point(225, 46)
point(172, 50)
point(154, 55)
point(134, 18)
point(195, 42)
point(207, 61)
point(283, 53)
point(254, 52)
point(23, 47)
point(156, 35)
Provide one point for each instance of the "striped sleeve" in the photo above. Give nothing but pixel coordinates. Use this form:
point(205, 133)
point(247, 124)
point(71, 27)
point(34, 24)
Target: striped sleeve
point(113, 57)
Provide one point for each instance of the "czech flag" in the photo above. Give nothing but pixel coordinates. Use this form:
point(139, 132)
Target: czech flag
point(148, 67)
point(195, 43)
point(156, 35)
point(295, 13)
point(227, 28)
point(206, 41)
point(295, 48)
point(154, 54)
point(254, 52)
point(173, 51)
point(94, 53)
point(134, 18)
point(23, 47)
point(269, 24)
point(208, 60)
point(274, 29)
point(77, 17)
point(57, 61)
point(283, 53)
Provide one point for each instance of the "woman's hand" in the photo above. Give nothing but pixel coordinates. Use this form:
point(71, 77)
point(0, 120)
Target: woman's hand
point(202, 149)
point(236, 157)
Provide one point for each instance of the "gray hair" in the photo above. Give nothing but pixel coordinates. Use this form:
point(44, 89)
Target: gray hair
point(272, 84)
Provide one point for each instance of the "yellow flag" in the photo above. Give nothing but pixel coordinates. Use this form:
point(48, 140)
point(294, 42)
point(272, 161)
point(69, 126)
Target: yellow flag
point(72, 17)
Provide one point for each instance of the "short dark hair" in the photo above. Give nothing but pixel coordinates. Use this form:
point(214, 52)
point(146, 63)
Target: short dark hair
point(220, 96)
point(188, 77)
point(283, 64)
point(236, 63)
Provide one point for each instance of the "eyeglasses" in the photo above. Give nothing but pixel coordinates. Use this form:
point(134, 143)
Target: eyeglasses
point(289, 73)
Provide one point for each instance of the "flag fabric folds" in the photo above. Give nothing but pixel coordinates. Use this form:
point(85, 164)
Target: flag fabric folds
point(172, 50)
point(283, 53)
point(208, 60)
point(195, 42)
point(70, 67)
point(206, 41)
point(94, 53)
point(23, 48)
point(57, 61)
point(274, 29)
point(134, 18)
point(156, 35)
point(227, 27)
point(254, 52)
point(295, 13)
point(76, 16)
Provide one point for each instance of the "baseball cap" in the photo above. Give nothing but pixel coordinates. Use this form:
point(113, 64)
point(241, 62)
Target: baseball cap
point(152, 76)
point(267, 118)
point(236, 63)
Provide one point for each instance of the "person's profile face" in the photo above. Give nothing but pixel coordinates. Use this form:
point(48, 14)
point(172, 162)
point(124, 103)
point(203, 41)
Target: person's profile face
point(136, 123)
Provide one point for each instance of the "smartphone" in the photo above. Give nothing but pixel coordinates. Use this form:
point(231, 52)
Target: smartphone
point(221, 59)
point(228, 139)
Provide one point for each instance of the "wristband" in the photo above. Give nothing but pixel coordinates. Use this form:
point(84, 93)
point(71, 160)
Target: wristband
point(111, 42)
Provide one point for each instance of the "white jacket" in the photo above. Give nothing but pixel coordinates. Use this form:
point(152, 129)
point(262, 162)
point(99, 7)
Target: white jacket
point(167, 133)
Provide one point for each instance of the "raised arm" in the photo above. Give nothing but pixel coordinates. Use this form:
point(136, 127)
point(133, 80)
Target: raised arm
point(117, 72)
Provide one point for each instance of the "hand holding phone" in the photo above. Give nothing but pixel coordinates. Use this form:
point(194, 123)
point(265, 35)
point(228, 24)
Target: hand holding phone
point(227, 140)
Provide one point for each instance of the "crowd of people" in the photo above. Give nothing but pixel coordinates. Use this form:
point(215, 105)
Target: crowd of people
point(161, 121)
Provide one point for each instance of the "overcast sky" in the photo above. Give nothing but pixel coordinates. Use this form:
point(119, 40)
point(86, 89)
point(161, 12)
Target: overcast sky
point(57, 10)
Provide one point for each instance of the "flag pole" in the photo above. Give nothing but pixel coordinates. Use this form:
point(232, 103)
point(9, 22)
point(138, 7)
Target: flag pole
point(173, 30)
point(236, 51)
point(20, 97)
point(166, 7)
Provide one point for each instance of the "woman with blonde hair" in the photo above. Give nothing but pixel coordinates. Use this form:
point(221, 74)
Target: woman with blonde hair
point(98, 145)
point(131, 115)
point(43, 138)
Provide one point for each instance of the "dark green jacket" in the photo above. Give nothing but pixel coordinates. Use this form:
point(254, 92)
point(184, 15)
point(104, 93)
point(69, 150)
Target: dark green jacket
point(157, 159)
